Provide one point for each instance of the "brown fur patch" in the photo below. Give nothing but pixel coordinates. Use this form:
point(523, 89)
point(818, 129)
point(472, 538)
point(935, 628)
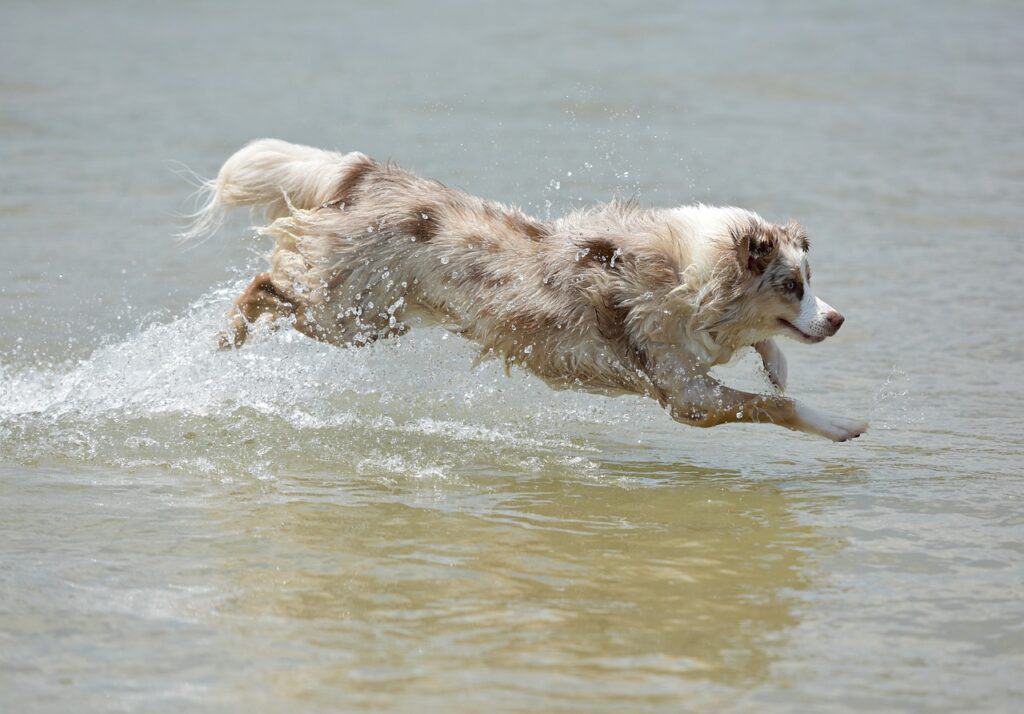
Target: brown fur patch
point(476, 274)
point(348, 187)
point(422, 225)
point(611, 324)
point(264, 284)
point(263, 296)
point(611, 321)
point(532, 230)
point(756, 245)
point(601, 250)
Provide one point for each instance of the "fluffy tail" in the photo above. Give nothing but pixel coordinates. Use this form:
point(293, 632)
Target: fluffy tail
point(270, 173)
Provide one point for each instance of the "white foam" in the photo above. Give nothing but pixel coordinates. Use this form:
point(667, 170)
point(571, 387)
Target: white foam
point(168, 397)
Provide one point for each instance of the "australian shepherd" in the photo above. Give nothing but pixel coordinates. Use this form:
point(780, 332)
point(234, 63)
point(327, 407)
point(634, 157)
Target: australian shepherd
point(616, 299)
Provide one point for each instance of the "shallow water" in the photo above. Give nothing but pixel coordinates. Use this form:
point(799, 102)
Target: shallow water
point(295, 527)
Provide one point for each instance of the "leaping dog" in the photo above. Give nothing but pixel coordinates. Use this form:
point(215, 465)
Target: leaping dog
point(616, 299)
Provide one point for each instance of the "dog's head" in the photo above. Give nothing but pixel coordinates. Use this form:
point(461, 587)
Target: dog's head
point(777, 291)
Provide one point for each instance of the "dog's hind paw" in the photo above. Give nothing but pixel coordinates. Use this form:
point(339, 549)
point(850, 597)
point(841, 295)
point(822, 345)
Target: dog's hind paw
point(224, 342)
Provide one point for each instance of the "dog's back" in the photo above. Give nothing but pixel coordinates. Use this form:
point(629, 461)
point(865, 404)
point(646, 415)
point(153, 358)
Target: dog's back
point(362, 247)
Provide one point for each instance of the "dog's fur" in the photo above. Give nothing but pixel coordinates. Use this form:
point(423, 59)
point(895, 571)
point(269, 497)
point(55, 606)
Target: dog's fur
point(617, 299)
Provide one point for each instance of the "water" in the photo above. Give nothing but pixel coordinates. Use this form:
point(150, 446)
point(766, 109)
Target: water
point(293, 527)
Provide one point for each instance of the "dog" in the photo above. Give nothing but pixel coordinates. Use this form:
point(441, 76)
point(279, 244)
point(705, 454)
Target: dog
point(615, 299)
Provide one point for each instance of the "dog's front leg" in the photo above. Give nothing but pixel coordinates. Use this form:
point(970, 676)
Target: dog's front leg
point(774, 362)
point(705, 402)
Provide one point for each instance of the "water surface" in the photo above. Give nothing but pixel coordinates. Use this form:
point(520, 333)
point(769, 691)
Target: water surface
point(293, 527)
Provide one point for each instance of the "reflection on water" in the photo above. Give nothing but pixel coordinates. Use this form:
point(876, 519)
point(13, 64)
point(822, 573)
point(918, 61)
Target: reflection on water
point(639, 582)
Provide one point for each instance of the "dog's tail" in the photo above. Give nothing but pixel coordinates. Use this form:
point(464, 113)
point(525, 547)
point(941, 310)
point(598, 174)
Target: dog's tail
point(270, 173)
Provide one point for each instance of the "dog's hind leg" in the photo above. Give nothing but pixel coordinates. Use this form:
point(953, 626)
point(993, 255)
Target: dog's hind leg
point(262, 297)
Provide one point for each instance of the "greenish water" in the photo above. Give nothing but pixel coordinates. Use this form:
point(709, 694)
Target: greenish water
point(292, 527)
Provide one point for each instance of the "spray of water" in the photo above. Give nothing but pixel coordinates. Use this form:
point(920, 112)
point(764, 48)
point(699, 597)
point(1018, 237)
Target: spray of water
point(166, 397)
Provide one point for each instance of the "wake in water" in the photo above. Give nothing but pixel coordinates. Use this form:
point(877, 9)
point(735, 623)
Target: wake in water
point(166, 397)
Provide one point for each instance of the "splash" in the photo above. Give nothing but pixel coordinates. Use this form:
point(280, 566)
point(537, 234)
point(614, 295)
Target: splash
point(894, 406)
point(166, 397)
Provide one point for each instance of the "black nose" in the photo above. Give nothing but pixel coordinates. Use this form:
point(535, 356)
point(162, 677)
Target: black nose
point(836, 320)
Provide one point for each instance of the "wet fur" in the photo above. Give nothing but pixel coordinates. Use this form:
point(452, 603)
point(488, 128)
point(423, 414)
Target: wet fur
point(616, 299)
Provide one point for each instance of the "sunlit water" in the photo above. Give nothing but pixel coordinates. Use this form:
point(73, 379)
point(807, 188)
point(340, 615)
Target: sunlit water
point(295, 527)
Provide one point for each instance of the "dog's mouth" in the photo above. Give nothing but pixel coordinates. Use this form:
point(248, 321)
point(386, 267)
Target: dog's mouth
point(800, 334)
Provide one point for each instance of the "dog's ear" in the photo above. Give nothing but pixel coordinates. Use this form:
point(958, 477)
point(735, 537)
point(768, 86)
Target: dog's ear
point(755, 249)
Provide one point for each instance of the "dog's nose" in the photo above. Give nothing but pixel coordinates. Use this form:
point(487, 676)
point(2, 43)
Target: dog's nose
point(835, 320)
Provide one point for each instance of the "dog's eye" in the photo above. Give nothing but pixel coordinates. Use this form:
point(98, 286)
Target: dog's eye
point(790, 286)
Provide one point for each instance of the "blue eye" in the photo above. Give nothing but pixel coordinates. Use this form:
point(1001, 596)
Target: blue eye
point(790, 286)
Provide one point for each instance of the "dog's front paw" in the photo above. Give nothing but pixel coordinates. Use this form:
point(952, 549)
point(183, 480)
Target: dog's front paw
point(844, 429)
point(831, 426)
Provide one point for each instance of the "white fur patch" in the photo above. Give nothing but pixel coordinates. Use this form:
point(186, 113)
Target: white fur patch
point(831, 426)
point(814, 312)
